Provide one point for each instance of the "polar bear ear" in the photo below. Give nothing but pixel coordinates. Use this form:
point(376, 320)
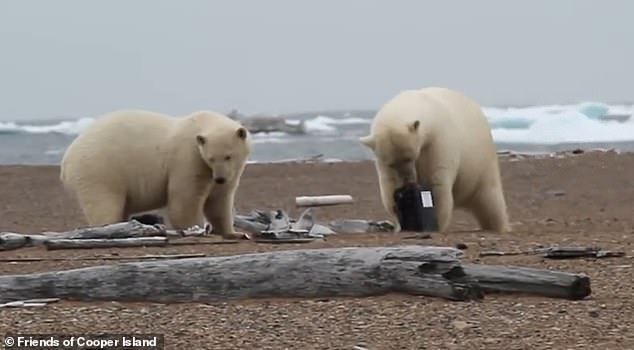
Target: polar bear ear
point(201, 140)
point(413, 127)
point(368, 141)
point(242, 133)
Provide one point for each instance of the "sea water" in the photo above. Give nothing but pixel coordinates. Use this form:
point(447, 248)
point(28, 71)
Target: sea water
point(334, 134)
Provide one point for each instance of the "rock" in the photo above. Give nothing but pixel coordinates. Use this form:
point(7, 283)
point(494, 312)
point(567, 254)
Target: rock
point(461, 246)
point(460, 325)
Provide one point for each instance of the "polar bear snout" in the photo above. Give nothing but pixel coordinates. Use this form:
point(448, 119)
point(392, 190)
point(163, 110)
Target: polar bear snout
point(220, 180)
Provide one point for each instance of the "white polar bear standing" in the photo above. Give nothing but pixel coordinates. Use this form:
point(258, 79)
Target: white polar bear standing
point(130, 161)
point(441, 137)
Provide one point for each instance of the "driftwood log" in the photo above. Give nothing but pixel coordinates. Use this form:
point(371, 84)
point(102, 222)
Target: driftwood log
point(123, 230)
point(108, 257)
point(317, 273)
point(58, 244)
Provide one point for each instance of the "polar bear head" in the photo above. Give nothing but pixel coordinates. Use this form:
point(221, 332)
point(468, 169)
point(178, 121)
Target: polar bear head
point(225, 149)
point(396, 148)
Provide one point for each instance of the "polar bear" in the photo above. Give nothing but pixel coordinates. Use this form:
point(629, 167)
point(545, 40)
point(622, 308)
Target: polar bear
point(440, 137)
point(131, 161)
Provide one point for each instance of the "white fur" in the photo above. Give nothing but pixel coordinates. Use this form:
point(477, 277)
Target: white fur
point(131, 161)
point(440, 137)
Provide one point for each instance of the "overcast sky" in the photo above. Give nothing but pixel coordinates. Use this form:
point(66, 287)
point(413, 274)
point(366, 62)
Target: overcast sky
point(75, 58)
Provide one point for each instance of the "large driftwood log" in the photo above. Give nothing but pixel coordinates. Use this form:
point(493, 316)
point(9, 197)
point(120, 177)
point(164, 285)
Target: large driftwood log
point(58, 244)
point(298, 273)
point(319, 273)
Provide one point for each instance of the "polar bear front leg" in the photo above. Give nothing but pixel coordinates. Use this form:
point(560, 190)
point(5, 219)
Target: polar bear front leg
point(441, 181)
point(387, 187)
point(218, 210)
point(184, 206)
point(444, 205)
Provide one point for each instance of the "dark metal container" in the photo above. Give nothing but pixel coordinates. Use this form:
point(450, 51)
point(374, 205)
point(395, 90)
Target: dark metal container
point(415, 208)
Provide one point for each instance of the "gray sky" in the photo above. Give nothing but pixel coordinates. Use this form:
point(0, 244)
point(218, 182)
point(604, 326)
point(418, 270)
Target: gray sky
point(75, 58)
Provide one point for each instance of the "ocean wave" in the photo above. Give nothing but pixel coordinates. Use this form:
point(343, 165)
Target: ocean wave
point(583, 122)
point(68, 127)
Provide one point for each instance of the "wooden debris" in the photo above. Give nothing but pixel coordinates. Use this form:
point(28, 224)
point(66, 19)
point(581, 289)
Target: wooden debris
point(312, 273)
point(561, 253)
point(577, 252)
point(111, 257)
point(29, 303)
point(58, 244)
point(517, 279)
point(129, 230)
point(126, 229)
point(316, 201)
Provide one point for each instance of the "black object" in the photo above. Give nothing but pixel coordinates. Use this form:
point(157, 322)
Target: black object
point(415, 208)
point(148, 219)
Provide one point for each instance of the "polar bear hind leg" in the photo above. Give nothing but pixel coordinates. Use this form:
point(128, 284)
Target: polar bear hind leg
point(106, 207)
point(489, 208)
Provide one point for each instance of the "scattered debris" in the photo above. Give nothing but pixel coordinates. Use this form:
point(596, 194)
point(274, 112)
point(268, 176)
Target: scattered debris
point(275, 226)
point(264, 226)
point(515, 156)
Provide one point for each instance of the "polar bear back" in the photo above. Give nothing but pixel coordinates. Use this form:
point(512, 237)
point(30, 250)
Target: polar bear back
point(466, 115)
point(446, 115)
point(123, 151)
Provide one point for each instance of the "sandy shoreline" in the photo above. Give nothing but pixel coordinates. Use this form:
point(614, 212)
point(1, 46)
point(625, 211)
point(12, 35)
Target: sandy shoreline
point(577, 200)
